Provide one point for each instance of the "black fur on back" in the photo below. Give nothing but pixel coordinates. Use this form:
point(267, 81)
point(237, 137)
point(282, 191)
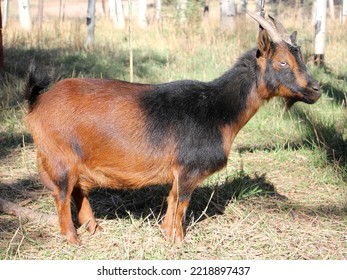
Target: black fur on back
point(35, 83)
point(191, 113)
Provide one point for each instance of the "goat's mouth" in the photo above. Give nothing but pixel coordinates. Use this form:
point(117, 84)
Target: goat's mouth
point(309, 96)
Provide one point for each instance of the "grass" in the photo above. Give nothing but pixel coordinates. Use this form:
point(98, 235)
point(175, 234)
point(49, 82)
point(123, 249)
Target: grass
point(283, 194)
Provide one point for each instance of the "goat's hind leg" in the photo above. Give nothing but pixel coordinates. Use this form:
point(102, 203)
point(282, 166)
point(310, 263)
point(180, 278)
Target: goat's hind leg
point(84, 210)
point(62, 187)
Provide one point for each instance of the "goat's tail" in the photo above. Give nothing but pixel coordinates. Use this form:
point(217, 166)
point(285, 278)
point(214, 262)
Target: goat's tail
point(35, 83)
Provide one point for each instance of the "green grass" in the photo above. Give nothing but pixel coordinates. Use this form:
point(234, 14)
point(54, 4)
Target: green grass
point(283, 194)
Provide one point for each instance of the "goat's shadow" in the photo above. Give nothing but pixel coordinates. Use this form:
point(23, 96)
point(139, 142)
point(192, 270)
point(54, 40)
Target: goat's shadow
point(207, 200)
point(11, 141)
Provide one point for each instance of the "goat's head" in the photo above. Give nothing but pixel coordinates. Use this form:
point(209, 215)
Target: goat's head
point(282, 65)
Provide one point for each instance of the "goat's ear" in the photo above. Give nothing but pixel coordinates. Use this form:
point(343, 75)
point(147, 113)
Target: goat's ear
point(293, 37)
point(264, 43)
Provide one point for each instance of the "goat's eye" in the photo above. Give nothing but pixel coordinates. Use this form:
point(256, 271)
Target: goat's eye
point(283, 64)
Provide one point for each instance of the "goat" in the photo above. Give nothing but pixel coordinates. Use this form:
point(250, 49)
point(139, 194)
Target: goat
point(110, 133)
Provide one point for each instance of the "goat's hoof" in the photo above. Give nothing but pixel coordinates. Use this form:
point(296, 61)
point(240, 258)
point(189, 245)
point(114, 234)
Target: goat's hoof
point(172, 235)
point(93, 227)
point(73, 239)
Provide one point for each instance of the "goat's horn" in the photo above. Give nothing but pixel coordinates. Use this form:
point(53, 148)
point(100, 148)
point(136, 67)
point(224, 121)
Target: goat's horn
point(281, 29)
point(273, 33)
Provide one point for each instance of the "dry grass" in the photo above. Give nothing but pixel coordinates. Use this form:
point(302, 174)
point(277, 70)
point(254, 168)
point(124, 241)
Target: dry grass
point(297, 214)
point(282, 195)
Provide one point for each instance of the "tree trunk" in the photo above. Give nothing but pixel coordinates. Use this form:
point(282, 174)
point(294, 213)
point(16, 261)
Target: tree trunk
point(182, 11)
point(24, 14)
point(120, 15)
point(243, 5)
point(5, 16)
point(320, 27)
point(344, 11)
point(142, 13)
point(259, 5)
point(62, 10)
point(305, 12)
point(112, 11)
point(130, 35)
point(227, 15)
point(1, 46)
point(40, 15)
point(331, 9)
point(158, 11)
point(207, 9)
point(90, 23)
point(103, 5)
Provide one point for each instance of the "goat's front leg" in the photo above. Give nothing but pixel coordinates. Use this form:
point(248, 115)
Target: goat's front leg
point(177, 204)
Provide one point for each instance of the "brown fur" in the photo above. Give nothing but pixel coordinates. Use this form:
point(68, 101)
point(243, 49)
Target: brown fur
point(104, 162)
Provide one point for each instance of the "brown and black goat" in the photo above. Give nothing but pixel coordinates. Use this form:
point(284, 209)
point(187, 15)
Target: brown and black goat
point(109, 133)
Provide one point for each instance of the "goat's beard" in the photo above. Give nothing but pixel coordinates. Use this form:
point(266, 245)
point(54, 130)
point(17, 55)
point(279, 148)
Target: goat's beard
point(289, 102)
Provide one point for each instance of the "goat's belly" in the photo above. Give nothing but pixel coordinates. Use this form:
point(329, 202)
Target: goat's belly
point(109, 177)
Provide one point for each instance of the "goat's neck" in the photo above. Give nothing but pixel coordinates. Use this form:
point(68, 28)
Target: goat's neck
point(230, 130)
point(243, 90)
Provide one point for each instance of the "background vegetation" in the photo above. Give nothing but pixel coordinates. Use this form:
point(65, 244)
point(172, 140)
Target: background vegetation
point(282, 195)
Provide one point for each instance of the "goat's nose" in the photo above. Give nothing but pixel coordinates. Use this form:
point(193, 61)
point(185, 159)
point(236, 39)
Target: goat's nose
point(315, 86)
point(316, 90)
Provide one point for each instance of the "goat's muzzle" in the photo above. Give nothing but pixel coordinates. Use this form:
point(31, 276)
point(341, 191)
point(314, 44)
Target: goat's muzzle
point(313, 93)
point(309, 96)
